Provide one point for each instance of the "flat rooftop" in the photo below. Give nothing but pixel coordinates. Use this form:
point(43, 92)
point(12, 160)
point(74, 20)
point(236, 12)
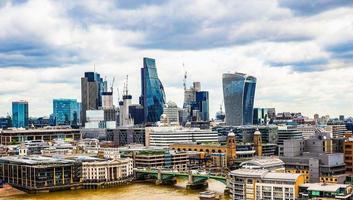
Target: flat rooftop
point(35, 160)
point(324, 187)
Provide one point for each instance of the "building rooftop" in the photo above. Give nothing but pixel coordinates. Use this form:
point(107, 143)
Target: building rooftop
point(263, 162)
point(35, 160)
point(324, 187)
point(265, 174)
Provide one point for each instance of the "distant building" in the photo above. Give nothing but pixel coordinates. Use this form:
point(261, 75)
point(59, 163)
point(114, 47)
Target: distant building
point(196, 103)
point(171, 111)
point(92, 88)
point(16, 136)
point(263, 184)
point(136, 112)
point(153, 96)
point(260, 116)
point(325, 191)
point(239, 94)
point(20, 114)
point(161, 159)
point(123, 136)
point(66, 111)
point(165, 136)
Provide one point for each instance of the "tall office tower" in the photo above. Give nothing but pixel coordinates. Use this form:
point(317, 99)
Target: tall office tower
point(153, 96)
point(190, 94)
point(107, 100)
point(66, 111)
point(260, 116)
point(20, 114)
point(92, 88)
point(239, 93)
point(203, 105)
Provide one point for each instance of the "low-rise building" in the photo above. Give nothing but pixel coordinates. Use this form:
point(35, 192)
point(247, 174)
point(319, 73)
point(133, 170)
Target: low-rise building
point(269, 163)
point(252, 184)
point(14, 136)
point(37, 173)
point(325, 191)
point(161, 159)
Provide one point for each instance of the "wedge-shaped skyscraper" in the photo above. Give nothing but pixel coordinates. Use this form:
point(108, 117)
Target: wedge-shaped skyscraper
point(238, 93)
point(153, 96)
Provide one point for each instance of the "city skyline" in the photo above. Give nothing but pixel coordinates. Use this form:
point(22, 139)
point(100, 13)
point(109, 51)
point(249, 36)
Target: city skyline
point(302, 58)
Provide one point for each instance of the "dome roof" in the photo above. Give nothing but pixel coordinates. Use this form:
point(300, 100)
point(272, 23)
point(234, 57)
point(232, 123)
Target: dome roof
point(231, 134)
point(257, 132)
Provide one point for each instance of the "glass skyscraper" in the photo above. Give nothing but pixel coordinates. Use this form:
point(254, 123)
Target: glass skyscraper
point(239, 94)
point(92, 88)
point(20, 114)
point(203, 105)
point(66, 111)
point(153, 96)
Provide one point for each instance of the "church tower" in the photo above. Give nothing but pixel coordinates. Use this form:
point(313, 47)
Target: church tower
point(258, 143)
point(231, 147)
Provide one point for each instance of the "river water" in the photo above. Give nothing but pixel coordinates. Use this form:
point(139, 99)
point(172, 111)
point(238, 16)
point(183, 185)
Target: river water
point(135, 191)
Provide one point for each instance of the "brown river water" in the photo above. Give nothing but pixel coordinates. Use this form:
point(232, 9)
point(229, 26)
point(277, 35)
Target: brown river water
point(143, 191)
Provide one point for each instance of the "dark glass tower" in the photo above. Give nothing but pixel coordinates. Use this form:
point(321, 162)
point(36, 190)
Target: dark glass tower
point(153, 96)
point(92, 88)
point(20, 114)
point(239, 94)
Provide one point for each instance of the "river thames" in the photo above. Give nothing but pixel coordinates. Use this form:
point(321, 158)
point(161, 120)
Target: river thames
point(145, 191)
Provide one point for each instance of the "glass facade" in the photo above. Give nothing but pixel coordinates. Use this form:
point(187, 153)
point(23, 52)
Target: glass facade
point(153, 96)
point(203, 105)
point(66, 111)
point(20, 114)
point(239, 94)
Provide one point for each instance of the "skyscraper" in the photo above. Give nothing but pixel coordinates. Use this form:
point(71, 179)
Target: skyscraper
point(20, 114)
point(153, 96)
point(66, 111)
point(239, 93)
point(92, 88)
point(203, 105)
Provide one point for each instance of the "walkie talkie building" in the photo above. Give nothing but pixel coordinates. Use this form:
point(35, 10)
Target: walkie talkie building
point(239, 94)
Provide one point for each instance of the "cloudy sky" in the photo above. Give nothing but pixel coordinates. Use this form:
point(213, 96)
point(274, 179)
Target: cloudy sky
point(300, 51)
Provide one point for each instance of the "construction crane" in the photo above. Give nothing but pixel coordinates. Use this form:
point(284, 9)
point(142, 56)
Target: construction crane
point(112, 84)
point(185, 77)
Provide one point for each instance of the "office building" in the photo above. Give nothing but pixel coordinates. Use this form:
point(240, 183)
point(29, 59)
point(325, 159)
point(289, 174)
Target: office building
point(166, 159)
point(153, 96)
point(202, 104)
point(165, 136)
point(171, 112)
point(325, 191)
point(66, 111)
point(17, 136)
point(287, 133)
point(137, 114)
point(196, 103)
point(40, 174)
point(92, 88)
point(348, 153)
point(252, 184)
point(261, 116)
point(123, 136)
point(100, 172)
point(20, 114)
point(239, 94)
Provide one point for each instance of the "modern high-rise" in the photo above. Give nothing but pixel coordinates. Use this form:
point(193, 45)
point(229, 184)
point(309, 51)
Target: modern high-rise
point(20, 114)
point(92, 88)
point(66, 111)
point(239, 94)
point(196, 103)
point(153, 96)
